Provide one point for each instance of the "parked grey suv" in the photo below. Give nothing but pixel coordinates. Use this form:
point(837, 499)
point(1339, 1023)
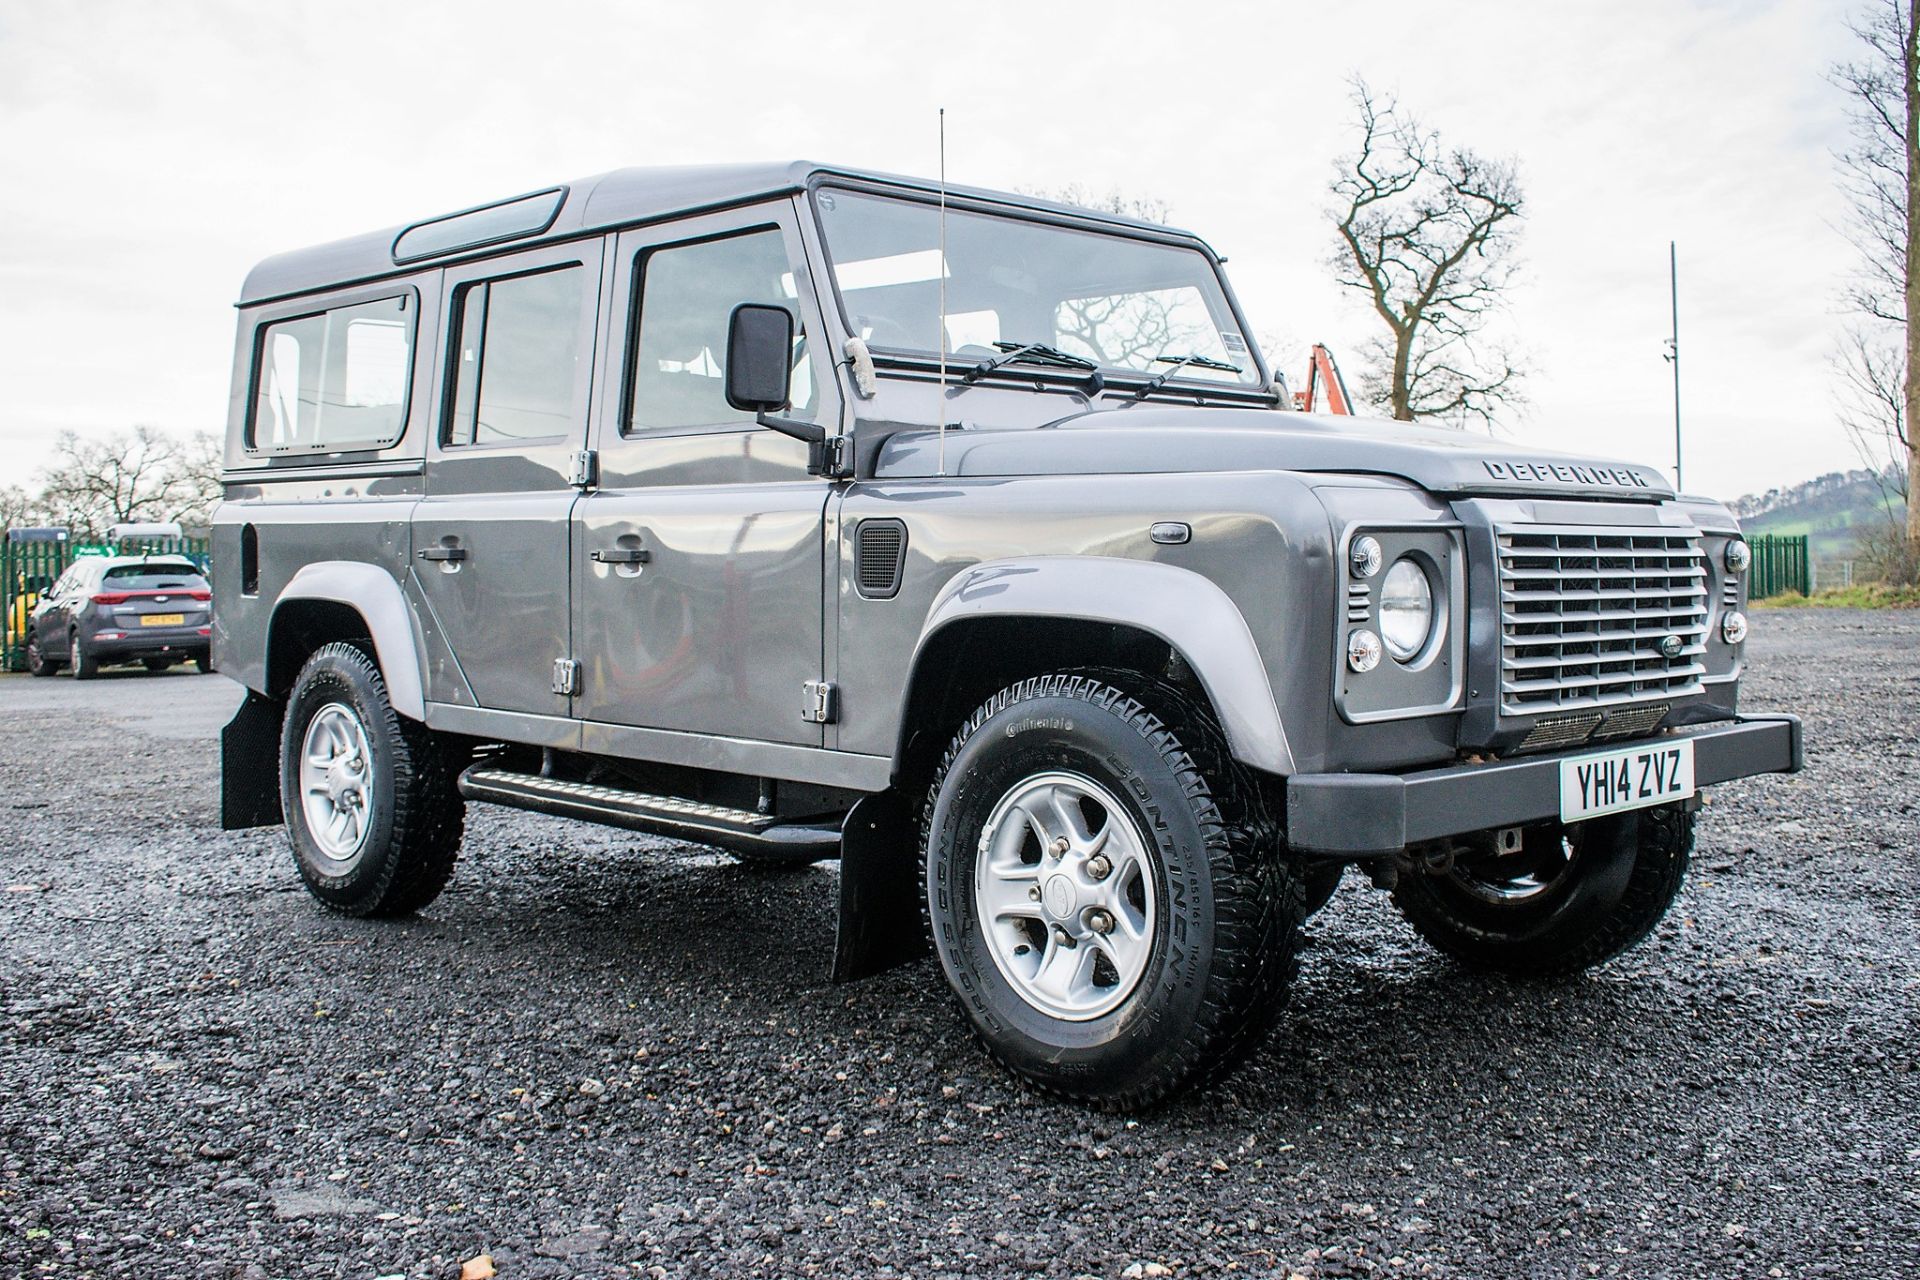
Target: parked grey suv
point(677, 499)
point(108, 610)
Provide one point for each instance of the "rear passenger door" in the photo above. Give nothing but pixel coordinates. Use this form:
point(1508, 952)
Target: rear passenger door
point(490, 534)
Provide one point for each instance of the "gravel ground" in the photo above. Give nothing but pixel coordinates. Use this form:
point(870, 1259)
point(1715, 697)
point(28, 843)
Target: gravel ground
point(603, 1055)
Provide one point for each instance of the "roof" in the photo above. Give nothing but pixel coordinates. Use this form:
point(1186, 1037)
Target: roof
point(619, 198)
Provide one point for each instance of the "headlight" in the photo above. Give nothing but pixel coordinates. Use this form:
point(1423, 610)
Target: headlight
point(1363, 651)
point(1739, 556)
point(1406, 609)
point(1734, 626)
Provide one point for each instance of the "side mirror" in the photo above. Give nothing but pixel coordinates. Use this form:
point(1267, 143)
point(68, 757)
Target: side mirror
point(759, 357)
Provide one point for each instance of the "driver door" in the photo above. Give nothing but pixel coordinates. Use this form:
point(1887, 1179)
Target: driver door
point(699, 558)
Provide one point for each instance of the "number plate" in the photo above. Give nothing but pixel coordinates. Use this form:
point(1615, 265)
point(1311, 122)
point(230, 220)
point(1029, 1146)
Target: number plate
point(1630, 778)
point(163, 619)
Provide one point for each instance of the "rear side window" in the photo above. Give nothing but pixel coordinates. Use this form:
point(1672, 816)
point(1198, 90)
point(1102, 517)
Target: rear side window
point(516, 357)
point(147, 577)
point(335, 380)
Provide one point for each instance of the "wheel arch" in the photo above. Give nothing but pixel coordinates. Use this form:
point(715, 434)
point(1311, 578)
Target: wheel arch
point(344, 600)
point(1002, 620)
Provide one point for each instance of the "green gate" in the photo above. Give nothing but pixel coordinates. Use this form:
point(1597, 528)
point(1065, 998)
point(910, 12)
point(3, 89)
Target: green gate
point(30, 559)
point(1780, 565)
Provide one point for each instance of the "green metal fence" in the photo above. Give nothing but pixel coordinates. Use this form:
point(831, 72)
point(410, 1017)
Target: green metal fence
point(30, 559)
point(1780, 564)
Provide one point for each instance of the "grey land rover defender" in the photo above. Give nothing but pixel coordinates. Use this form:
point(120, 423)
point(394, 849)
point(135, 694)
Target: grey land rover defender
point(809, 513)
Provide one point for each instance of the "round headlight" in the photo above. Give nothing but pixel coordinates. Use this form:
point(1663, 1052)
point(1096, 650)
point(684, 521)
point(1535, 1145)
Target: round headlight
point(1365, 555)
point(1363, 651)
point(1734, 626)
point(1406, 609)
point(1739, 556)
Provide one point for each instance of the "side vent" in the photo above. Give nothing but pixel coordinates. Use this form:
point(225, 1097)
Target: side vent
point(879, 553)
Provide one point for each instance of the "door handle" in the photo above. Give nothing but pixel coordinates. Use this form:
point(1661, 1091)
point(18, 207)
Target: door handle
point(621, 555)
point(444, 553)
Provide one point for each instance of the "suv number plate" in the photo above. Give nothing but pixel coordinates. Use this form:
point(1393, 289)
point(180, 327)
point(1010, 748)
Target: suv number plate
point(1631, 778)
point(162, 619)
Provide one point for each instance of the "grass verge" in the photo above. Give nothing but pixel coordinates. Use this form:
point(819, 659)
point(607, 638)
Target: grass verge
point(1865, 595)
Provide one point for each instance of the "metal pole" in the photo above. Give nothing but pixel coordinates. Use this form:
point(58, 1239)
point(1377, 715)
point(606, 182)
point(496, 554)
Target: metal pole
point(1673, 355)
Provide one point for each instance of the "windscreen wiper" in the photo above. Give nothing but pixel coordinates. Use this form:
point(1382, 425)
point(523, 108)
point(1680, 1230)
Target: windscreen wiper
point(1160, 380)
point(1026, 353)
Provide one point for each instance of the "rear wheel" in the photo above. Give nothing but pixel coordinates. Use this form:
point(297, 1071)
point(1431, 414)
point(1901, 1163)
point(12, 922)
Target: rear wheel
point(1568, 899)
point(370, 798)
point(85, 665)
point(155, 664)
point(38, 662)
point(204, 662)
point(1104, 890)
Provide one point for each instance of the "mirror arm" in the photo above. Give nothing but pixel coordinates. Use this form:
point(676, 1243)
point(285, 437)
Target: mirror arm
point(811, 432)
point(824, 456)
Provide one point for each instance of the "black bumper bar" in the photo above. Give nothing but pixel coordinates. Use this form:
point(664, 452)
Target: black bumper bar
point(1368, 814)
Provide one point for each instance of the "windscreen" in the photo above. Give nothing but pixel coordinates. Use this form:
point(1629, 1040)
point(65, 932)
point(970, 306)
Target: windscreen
point(152, 577)
point(1132, 305)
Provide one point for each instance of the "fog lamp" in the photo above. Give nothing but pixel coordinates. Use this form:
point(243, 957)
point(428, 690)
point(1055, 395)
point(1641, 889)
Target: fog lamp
point(1363, 651)
point(1734, 626)
point(1365, 556)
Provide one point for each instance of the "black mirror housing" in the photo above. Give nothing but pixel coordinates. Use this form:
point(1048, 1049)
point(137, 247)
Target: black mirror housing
point(759, 357)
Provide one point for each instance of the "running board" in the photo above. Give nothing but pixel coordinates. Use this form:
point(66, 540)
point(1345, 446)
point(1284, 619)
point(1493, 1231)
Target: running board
point(740, 830)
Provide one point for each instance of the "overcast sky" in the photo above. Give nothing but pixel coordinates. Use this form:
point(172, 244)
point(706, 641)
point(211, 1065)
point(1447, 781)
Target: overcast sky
point(152, 152)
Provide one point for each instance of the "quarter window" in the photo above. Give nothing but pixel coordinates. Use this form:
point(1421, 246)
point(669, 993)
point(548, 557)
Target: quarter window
point(687, 296)
point(516, 357)
point(335, 380)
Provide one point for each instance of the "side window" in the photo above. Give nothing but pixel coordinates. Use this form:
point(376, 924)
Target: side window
point(334, 380)
point(516, 355)
point(687, 294)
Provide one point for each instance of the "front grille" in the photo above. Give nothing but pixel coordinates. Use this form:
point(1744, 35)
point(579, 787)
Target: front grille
point(1585, 612)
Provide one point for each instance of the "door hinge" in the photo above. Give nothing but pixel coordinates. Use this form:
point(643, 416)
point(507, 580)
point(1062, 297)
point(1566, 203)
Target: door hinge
point(566, 676)
point(583, 468)
point(820, 702)
point(828, 457)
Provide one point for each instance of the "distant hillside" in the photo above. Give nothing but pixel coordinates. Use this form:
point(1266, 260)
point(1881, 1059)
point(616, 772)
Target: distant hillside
point(1827, 509)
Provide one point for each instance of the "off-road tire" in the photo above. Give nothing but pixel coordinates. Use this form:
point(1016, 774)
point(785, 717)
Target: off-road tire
point(1196, 1011)
point(38, 663)
point(85, 665)
point(416, 814)
point(1629, 870)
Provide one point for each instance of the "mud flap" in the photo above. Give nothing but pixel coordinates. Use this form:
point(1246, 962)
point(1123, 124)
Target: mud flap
point(250, 765)
point(880, 917)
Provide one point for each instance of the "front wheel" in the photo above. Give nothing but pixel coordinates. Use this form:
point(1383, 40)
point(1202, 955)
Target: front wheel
point(1105, 890)
point(370, 797)
point(1567, 899)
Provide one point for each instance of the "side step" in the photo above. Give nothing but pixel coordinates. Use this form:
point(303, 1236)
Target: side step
point(741, 830)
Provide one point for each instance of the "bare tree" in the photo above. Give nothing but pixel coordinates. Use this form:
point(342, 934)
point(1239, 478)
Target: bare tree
point(20, 509)
point(1879, 356)
point(1427, 233)
point(100, 481)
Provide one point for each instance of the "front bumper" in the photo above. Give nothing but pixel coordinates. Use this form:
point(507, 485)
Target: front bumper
point(1355, 815)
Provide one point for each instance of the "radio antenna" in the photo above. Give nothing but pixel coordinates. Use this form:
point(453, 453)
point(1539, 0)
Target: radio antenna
point(942, 336)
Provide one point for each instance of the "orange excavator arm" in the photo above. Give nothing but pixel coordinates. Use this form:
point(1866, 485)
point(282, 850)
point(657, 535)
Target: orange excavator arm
point(1324, 384)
